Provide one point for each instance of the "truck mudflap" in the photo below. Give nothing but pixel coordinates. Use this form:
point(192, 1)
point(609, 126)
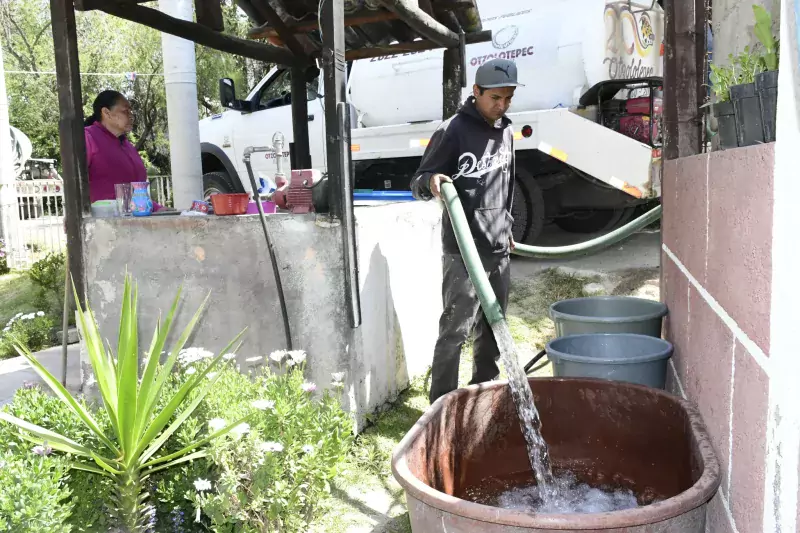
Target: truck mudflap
point(609, 156)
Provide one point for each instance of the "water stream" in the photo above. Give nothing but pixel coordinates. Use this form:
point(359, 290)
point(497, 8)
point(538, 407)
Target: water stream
point(528, 415)
point(550, 494)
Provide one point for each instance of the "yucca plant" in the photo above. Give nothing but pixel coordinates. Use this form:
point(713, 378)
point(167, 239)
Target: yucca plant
point(128, 454)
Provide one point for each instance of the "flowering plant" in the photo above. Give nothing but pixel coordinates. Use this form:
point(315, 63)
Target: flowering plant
point(4, 269)
point(33, 329)
point(142, 419)
point(271, 474)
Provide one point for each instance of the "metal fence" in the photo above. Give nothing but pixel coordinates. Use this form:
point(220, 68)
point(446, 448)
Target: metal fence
point(161, 190)
point(40, 227)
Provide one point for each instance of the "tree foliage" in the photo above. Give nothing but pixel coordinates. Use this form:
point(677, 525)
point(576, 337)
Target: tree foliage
point(110, 49)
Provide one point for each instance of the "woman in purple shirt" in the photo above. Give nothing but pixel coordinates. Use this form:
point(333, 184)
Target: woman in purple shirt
point(110, 156)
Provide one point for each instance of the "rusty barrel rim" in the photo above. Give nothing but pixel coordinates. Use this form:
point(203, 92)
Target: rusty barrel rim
point(700, 493)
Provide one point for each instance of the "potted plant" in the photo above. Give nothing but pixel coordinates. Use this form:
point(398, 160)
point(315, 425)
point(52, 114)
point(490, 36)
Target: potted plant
point(746, 105)
point(722, 109)
point(766, 82)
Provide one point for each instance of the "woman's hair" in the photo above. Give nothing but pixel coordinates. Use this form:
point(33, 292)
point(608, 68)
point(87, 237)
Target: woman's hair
point(106, 99)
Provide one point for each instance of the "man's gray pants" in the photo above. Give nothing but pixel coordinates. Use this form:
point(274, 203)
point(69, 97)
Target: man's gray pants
point(461, 312)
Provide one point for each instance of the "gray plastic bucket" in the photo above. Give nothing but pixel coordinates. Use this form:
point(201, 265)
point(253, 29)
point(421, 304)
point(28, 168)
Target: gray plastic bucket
point(608, 314)
point(626, 357)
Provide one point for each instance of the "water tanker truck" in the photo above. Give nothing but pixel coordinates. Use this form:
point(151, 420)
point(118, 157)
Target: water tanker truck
point(587, 122)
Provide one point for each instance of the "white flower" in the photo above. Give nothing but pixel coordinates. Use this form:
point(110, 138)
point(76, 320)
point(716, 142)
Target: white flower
point(191, 370)
point(18, 315)
point(241, 429)
point(268, 447)
point(263, 405)
point(298, 356)
point(202, 484)
point(215, 424)
point(309, 387)
point(290, 362)
point(211, 375)
point(229, 356)
point(308, 448)
point(40, 313)
point(338, 377)
point(277, 356)
point(191, 355)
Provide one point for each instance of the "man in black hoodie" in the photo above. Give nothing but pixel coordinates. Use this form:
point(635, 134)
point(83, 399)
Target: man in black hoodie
point(474, 150)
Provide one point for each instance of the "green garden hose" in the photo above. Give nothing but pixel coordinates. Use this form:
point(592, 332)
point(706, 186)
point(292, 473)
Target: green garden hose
point(489, 303)
point(594, 245)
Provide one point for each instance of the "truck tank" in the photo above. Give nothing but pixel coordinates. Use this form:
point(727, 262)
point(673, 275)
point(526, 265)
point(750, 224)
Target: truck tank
point(562, 48)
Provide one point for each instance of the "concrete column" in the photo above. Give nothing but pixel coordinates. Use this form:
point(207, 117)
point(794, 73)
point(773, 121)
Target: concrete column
point(180, 80)
point(9, 214)
point(783, 433)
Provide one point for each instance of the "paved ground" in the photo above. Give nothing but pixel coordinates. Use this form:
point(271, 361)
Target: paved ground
point(15, 372)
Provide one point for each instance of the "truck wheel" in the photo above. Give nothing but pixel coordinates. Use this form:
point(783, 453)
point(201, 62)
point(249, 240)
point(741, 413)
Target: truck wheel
point(528, 210)
point(216, 183)
point(592, 221)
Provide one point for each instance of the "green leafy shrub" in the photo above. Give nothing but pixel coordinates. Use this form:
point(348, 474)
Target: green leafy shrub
point(48, 276)
point(91, 510)
point(33, 329)
point(271, 475)
point(33, 495)
point(4, 269)
point(127, 454)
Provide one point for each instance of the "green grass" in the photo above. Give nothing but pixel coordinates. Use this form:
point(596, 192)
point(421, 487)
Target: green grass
point(17, 294)
point(366, 498)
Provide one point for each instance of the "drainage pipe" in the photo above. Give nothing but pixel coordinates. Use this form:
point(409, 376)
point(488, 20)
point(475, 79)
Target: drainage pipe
point(248, 152)
point(594, 245)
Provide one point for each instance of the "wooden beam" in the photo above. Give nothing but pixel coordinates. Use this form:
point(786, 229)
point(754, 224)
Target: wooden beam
point(451, 82)
point(340, 164)
point(683, 77)
point(301, 118)
point(199, 34)
point(414, 46)
point(268, 31)
point(209, 14)
point(422, 23)
point(283, 31)
point(71, 137)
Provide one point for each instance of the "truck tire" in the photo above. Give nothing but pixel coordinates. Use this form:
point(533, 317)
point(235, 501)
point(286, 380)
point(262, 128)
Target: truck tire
point(216, 183)
point(594, 220)
point(528, 209)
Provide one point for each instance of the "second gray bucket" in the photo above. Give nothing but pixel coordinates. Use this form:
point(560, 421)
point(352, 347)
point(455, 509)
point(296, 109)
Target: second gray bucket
point(608, 314)
point(627, 357)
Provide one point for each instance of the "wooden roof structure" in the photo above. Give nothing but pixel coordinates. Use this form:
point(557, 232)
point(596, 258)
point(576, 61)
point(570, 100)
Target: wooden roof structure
point(288, 32)
point(292, 33)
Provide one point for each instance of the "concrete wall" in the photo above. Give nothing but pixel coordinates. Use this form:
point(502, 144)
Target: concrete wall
point(732, 24)
point(400, 277)
point(717, 283)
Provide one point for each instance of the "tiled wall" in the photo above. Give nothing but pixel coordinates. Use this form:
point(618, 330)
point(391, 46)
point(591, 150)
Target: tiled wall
point(716, 277)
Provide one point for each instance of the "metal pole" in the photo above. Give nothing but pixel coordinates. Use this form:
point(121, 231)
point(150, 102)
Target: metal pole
point(70, 129)
point(9, 215)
